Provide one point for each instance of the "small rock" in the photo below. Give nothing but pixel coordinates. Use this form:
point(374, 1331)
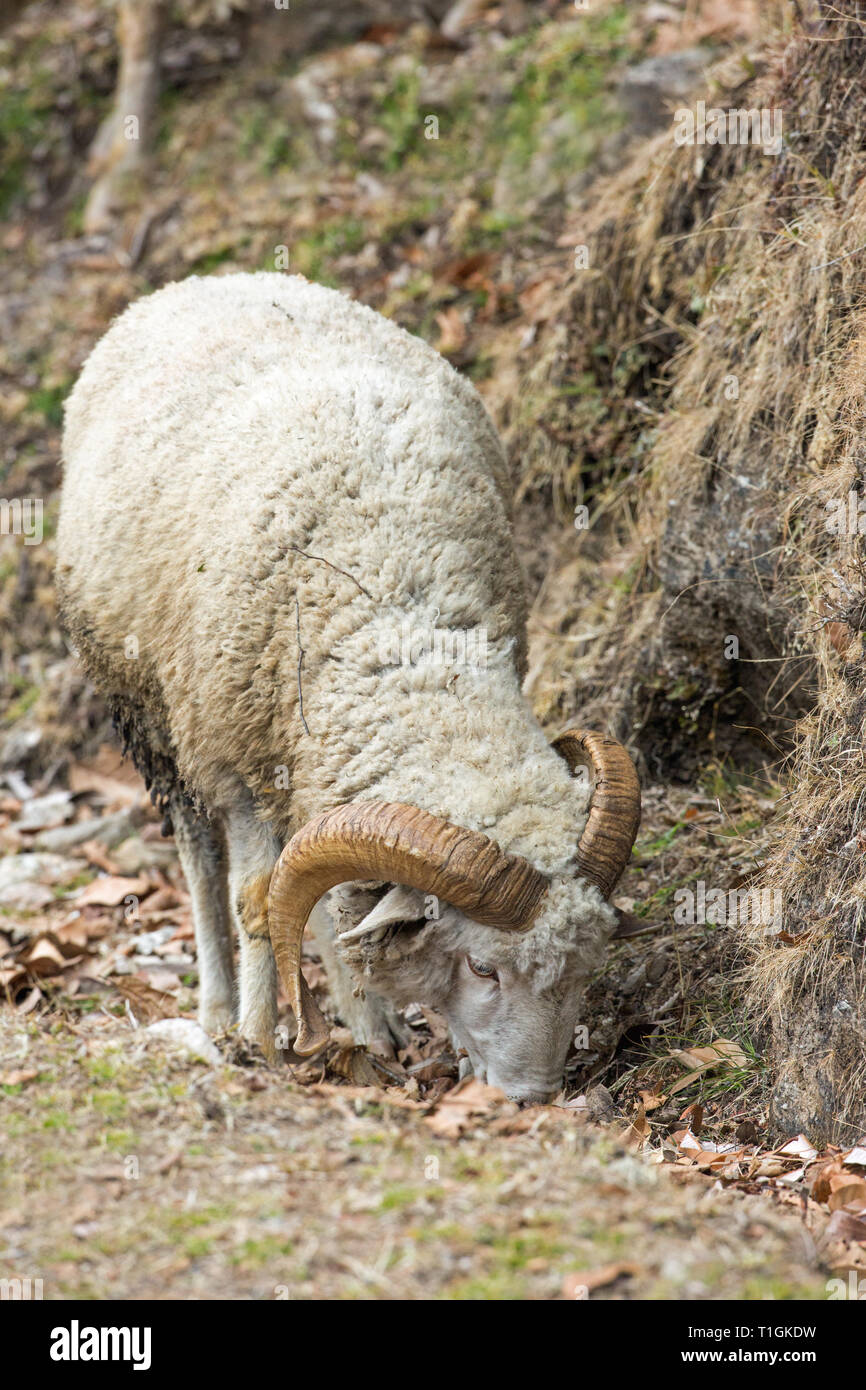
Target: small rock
point(135, 854)
point(634, 978)
point(41, 812)
point(600, 1105)
point(17, 785)
point(18, 745)
point(26, 897)
point(108, 830)
point(146, 942)
point(16, 869)
point(651, 90)
point(187, 1036)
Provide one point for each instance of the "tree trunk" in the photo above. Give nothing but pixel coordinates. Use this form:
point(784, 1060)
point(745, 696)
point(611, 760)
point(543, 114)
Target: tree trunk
point(125, 138)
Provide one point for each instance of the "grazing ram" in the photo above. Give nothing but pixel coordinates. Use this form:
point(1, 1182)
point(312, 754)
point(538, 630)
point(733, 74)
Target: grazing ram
point(277, 507)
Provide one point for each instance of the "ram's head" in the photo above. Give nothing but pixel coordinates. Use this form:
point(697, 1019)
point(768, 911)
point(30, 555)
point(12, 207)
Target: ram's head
point(503, 951)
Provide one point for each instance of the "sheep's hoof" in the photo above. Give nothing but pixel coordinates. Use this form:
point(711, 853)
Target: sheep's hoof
point(215, 1018)
point(247, 1052)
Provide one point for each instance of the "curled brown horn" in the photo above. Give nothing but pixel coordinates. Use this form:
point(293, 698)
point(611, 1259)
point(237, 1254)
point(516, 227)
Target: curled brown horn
point(614, 813)
point(398, 844)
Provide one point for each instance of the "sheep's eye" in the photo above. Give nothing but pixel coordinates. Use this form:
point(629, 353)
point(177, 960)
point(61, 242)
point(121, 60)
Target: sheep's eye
point(481, 969)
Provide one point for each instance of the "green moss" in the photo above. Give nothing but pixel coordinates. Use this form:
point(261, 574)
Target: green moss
point(109, 1103)
point(773, 1287)
point(401, 119)
point(47, 401)
point(494, 1288)
point(194, 1246)
point(119, 1140)
point(179, 1223)
point(25, 702)
point(24, 117)
point(649, 848)
point(103, 1068)
point(203, 265)
point(515, 1251)
point(314, 255)
point(396, 1198)
point(265, 135)
point(79, 881)
point(262, 1251)
point(59, 1120)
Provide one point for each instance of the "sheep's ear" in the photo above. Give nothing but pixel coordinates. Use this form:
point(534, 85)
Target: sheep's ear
point(398, 905)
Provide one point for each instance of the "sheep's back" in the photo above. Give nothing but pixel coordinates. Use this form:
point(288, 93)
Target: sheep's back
point(223, 431)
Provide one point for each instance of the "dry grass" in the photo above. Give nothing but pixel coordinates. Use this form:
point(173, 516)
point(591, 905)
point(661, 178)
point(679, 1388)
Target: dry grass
point(131, 1172)
point(703, 398)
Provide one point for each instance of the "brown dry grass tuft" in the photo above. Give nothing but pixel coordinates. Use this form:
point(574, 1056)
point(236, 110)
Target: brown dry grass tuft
point(704, 384)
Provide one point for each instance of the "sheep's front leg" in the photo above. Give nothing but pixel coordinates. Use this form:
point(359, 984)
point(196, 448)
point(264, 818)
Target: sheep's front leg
point(253, 852)
point(202, 854)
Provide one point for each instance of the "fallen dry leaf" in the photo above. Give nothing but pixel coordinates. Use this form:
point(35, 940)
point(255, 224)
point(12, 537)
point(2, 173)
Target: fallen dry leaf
point(374, 1095)
point(799, 1147)
point(363, 1068)
point(96, 854)
point(467, 1101)
point(584, 1282)
point(844, 1226)
point(11, 981)
point(44, 958)
point(820, 1178)
point(651, 1100)
point(110, 775)
point(538, 299)
point(111, 891)
point(638, 1131)
point(452, 331)
point(694, 1116)
point(147, 1004)
point(851, 1196)
point(17, 1078)
point(700, 1059)
point(163, 900)
point(467, 271)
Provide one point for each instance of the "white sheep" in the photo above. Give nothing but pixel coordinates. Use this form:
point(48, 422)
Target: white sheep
point(284, 554)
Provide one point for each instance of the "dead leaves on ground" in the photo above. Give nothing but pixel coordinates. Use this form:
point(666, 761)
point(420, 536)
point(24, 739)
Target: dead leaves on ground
point(76, 941)
point(459, 1108)
point(85, 945)
point(109, 775)
point(148, 1005)
point(111, 890)
point(127, 932)
point(831, 1183)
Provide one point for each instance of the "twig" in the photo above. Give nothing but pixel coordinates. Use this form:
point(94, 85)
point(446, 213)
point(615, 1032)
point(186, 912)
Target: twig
point(825, 264)
point(322, 561)
point(301, 654)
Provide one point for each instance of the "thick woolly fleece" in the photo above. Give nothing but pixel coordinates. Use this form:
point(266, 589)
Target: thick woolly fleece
point(257, 466)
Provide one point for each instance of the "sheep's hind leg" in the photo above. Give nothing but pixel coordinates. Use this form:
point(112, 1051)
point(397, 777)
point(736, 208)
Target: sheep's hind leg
point(253, 852)
point(203, 860)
